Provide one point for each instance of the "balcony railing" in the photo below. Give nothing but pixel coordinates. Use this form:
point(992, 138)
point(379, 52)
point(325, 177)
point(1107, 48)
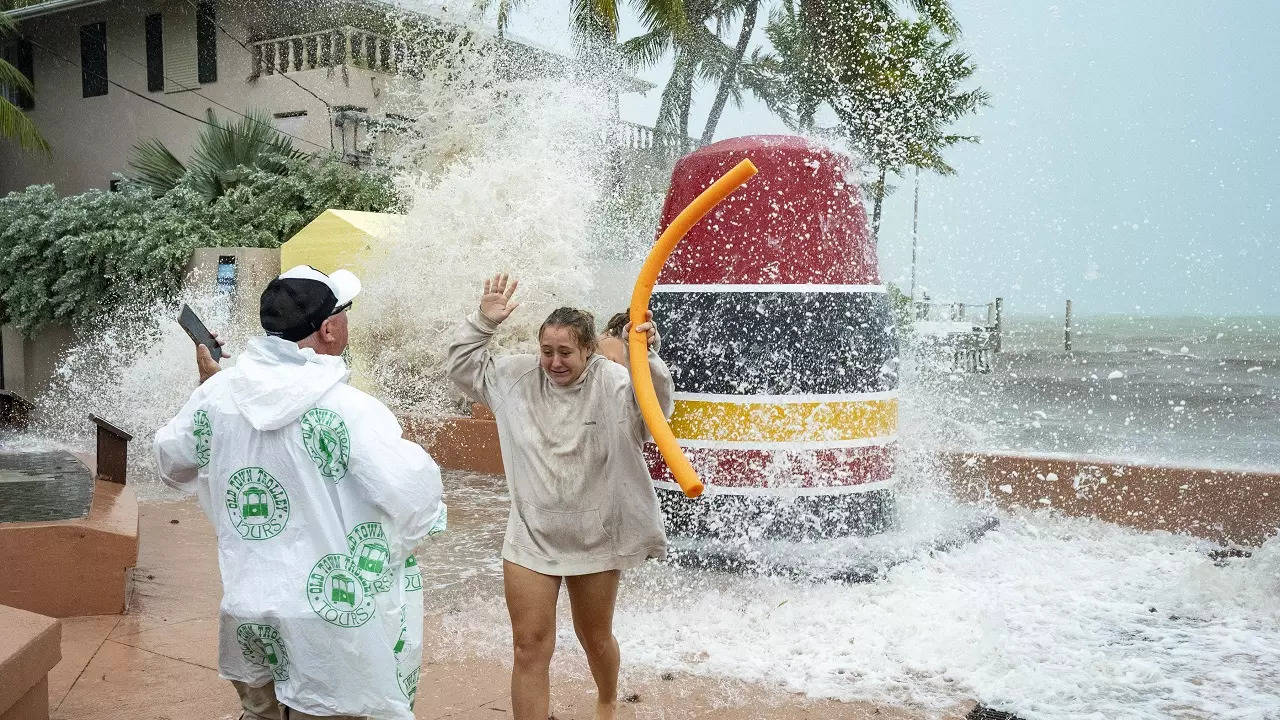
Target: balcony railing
point(647, 140)
point(985, 314)
point(326, 49)
point(655, 150)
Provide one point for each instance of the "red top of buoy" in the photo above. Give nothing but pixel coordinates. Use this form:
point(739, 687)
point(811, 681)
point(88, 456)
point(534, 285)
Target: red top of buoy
point(799, 221)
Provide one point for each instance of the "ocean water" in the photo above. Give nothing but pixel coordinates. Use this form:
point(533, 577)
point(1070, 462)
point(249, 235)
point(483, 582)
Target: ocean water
point(1201, 391)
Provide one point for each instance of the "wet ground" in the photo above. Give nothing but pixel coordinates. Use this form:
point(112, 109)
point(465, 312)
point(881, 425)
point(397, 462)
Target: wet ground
point(1044, 616)
point(159, 660)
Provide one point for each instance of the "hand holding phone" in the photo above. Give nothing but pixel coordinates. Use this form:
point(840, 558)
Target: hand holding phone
point(198, 333)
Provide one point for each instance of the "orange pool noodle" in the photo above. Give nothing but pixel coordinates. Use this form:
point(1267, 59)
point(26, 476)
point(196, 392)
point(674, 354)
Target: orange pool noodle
point(641, 378)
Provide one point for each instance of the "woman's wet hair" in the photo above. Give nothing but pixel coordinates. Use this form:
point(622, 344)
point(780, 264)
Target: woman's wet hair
point(617, 324)
point(580, 322)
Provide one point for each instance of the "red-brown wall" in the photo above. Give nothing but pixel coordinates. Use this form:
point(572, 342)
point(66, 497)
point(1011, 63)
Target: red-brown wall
point(1228, 506)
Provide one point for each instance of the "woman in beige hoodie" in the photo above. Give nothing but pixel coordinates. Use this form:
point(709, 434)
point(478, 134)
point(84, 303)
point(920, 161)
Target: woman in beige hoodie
point(582, 504)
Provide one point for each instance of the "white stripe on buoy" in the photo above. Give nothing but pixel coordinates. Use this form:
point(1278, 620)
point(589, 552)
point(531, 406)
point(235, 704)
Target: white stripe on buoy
point(782, 399)
point(809, 288)
point(784, 491)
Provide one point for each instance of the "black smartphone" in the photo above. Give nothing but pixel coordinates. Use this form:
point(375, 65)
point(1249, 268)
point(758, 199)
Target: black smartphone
point(198, 332)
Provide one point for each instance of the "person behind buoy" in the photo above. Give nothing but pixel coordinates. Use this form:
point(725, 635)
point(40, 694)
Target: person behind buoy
point(582, 504)
point(612, 343)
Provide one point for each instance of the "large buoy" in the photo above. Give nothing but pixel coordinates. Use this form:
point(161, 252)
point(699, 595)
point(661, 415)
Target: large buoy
point(781, 342)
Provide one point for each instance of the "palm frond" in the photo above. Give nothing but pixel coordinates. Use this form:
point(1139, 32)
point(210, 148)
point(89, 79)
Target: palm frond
point(223, 153)
point(949, 140)
point(931, 160)
point(938, 13)
point(676, 95)
point(881, 8)
point(768, 87)
point(222, 149)
point(645, 50)
point(16, 125)
point(155, 166)
point(505, 9)
point(725, 17)
point(665, 14)
point(594, 18)
point(735, 94)
point(11, 76)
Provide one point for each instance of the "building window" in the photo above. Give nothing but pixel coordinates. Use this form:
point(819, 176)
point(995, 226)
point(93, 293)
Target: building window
point(93, 59)
point(18, 54)
point(206, 43)
point(155, 52)
point(291, 123)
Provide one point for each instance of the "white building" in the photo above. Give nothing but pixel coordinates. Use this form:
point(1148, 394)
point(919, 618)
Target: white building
point(109, 73)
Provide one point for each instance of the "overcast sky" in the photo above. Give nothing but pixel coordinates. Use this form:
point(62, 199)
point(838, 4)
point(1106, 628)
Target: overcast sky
point(1130, 159)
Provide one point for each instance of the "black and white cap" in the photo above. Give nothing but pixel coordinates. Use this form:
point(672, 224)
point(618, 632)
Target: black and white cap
point(298, 302)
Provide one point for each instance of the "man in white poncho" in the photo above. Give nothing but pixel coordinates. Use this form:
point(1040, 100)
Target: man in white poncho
point(317, 503)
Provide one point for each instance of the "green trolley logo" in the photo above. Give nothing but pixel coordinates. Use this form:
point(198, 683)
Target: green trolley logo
point(262, 645)
point(408, 661)
point(367, 544)
point(326, 439)
point(412, 574)
point(338, 592)
point(408, 682)
point(202, 431)
point(257, 504)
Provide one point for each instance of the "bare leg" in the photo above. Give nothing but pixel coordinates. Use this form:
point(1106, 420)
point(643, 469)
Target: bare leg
point(592, 598)
point(531, 601)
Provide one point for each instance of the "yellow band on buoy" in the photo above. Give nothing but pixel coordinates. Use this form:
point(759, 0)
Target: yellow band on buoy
point(731, 422)
point(641, 378)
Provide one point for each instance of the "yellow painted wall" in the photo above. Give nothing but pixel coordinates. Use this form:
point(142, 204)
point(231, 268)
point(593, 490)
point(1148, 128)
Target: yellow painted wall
point(344, 239)
point(341, 239)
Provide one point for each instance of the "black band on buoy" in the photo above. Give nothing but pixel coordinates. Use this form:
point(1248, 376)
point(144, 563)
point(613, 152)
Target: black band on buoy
point(777, 343)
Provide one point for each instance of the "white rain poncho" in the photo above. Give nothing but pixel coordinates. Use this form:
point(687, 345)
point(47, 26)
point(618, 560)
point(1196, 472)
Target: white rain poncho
point(317, 503)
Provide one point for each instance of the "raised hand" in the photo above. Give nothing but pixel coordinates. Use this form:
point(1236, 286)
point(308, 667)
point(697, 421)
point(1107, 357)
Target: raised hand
point(495, 303)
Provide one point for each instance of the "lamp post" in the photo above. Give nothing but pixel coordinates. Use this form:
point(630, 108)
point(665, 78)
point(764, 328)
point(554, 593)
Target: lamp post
point(915, 235)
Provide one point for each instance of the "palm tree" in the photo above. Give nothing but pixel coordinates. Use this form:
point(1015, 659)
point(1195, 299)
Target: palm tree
point(729, 80)
point(897, 106)
point(813, 40)
point(222, 153)
point(698, 53)
point(592, 19)
point(826, 36)
point(595, 27)
point(675, 26)
point(672, 25)
point(14, 124)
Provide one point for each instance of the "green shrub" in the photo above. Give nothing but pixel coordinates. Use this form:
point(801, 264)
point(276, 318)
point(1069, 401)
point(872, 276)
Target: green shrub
point(68, 259)
point(903, 311)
